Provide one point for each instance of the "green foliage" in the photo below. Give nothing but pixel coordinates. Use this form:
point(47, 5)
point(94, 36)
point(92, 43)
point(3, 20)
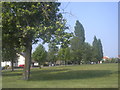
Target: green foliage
point(77, 43)
point(100, 49)
point(32, 20)
point(87, 53)
point(39, 54)
point(61, 54)
point(64, 54)
point(9, 54)
point(27, 22)
point(82, 51)
point(97, 50)
point(67, 54)
point(79, 31)
point(52, 53)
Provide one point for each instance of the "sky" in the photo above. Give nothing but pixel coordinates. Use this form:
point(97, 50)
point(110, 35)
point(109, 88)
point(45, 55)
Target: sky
point(99, 19)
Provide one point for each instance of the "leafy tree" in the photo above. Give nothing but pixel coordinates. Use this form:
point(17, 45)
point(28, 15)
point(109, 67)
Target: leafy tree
point(61, 54)
point(75, 43)
point(31, 21)
point(64, 54)
point(76, 51)
point(9, 54)
point(67, 55)
point(39, 54)
point(87, 53)
point(9, 40)
point(52, 53)
point(9, 51)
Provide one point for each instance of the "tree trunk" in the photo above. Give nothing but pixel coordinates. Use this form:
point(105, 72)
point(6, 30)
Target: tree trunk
point(12, 65)
point(39, 65)
point(79, 62)
point(65, 62)
point(55, 63)
point(26, 74)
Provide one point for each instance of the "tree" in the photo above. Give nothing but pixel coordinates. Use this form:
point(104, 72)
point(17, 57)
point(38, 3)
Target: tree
point(76, 50)
point(100, 50)
point(31, 21)
point(97, 50)
point(61, 54)
point(64, 54)
point(67, 55)
point(9, 54)
point(77, 42)
point(39, 54)
point(79, 32)
point(52, 53)
point(87, 53)
point(10, 42)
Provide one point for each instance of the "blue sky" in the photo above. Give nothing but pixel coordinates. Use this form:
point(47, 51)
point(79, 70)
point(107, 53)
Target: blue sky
point(98, 18)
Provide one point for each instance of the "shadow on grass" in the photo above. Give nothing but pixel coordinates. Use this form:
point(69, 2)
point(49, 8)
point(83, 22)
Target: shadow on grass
point(14, 73)
point(39, 71)
point(61, 74)
point(68, 74)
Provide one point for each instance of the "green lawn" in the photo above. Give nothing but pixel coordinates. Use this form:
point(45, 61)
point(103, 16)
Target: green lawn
point(79, 76)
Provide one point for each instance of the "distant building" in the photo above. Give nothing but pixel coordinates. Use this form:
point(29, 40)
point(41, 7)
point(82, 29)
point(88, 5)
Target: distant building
point(105, 58)
point(21, 60)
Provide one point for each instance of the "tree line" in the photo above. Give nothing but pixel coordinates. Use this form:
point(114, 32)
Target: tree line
point(25, 23)
point(77, 52)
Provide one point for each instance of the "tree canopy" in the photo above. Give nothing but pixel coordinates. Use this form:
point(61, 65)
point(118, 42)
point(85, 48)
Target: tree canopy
point(29, 21)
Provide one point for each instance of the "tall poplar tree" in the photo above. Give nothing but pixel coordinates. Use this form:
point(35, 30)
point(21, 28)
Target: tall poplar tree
point(77, 42)
point(100, 50)
point(97, 50)
point(79, 32)
point(95, 55)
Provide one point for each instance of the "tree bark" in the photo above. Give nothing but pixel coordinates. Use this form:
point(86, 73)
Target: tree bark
point(26, 73)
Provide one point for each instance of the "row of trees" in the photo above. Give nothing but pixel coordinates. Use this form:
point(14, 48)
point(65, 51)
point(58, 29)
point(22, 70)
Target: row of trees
point(25, 23)
point(77, 52)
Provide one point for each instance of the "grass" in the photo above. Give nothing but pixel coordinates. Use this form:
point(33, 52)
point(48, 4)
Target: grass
point(79, 76)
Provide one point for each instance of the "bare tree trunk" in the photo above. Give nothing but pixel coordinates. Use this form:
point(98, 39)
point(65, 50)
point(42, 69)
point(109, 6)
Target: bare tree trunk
point(12, 65)
point(26, 74)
